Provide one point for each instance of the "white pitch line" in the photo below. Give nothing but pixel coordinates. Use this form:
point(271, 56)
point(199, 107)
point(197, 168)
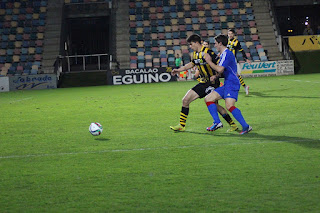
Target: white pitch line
point(315, 82)
point(23, 99)
point(140, 149)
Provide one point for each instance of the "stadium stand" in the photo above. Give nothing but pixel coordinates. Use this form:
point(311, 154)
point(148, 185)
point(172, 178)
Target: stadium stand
point(159, 28)
point(22, 24)
point(84, 1)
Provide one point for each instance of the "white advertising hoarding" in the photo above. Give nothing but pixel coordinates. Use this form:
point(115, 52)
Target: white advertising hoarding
point(4, 84)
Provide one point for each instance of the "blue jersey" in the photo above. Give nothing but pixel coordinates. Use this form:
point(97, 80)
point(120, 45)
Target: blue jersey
point(228, 61)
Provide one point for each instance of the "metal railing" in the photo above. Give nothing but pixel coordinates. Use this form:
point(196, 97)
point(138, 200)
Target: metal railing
point(73, 60)
point(284, 47)
point(282, 43)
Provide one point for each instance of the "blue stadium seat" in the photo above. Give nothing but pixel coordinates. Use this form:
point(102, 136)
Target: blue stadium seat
point(173, 9)
point(161, 22)
point(139, 23)
point(5, 38)
point(209, 19)
point(34, 72)
point(138, 4)
point(154, 43)
point(217, 26)
point(222, 12)
point(255, 58)
point(2, 60)
point(9, 51)
point(195, 20)
point(210, 26)
point(132, 11)
point(140, 58)
point(240, 38)
point(260, 50)
point(23, 58)
point(175, 35)
point(160, 29)
point(243, 17)
point(250, 17)
point(162, 43)
point(189, 27)
point(4, 45)
point(218, 32)
point(235, 11)
point(159, 3)
point(140, 50)
point(166, 9)
point(214, 6)
point(139, 17)
point(147, 43)
point(264, 58)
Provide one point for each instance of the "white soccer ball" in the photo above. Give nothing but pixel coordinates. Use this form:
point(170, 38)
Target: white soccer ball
point(95, 129)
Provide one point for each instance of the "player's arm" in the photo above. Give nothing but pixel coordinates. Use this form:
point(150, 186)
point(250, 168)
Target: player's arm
point(239, 48)
point(197, 75)
point(183, 68)
point(214, 57)
point(217, 68)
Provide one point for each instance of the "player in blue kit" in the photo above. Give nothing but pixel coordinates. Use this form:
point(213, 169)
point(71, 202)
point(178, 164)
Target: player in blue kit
point(229, 91)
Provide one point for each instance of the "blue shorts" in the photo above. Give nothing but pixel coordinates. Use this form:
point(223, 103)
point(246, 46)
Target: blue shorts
point(226, 92)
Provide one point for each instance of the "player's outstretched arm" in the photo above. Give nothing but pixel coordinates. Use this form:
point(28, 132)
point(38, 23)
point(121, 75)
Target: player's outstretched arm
point(183, 68)
point(217, 68)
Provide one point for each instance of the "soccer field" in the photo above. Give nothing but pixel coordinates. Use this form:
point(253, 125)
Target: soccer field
point(50, 162)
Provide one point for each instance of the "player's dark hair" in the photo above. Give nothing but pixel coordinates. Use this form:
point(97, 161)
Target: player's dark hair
point(194, 38)
point(206, 41)
point(232, 30)
point(222, 38)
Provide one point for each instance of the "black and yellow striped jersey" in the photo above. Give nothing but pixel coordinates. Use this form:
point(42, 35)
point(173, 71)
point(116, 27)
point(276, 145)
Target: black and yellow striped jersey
point(204, 68)
point(234, 46)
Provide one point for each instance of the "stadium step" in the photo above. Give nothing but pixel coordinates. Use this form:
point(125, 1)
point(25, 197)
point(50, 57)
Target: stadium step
point(268, 36)
point(266, 30)
point(260, 3)
point(260, 10)
point(265, 24)
point(259, 16)
point(52, 36)
point(270, 43)
point(122, 35)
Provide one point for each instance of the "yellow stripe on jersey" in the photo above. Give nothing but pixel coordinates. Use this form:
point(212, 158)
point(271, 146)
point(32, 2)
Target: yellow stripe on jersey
point(232, 45)
point(204, 68)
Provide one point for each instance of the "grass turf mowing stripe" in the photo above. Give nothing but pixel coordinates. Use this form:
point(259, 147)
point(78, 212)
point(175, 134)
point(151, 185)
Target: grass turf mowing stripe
point(145, 149)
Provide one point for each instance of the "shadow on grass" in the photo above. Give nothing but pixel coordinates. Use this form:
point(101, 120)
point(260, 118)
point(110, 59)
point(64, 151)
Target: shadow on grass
point(102, 139)
point(193, 132)
point(260, 94)
point(306, 142)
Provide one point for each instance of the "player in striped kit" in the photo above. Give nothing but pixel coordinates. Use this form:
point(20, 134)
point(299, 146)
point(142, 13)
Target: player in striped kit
point(234, 46)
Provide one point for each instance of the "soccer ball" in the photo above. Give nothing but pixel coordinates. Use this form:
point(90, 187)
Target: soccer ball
point(95, 129)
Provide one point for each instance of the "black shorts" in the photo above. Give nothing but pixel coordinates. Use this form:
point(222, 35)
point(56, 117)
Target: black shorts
point(203, 89)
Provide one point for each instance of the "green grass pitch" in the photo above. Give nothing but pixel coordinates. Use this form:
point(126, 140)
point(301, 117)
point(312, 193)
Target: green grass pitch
point(49, 162)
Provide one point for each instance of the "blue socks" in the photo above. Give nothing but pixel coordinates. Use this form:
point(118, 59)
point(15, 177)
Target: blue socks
point(238, 116)
point(212, 107)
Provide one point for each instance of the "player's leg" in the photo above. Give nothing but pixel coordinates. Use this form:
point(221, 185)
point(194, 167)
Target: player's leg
point(230, 105)
point(223, 112)
point(211, 100)
point(190, 96)
point(246, 87)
